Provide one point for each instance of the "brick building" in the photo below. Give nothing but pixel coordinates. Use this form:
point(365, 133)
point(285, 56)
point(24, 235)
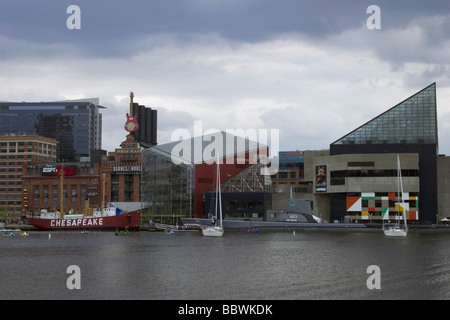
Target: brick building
point(115, 179)
point(41, 187)
point(16, 151)
point(122, 170)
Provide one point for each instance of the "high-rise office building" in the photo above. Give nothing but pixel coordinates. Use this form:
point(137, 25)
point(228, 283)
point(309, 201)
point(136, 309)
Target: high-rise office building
point(16, 151)
point(75, 124)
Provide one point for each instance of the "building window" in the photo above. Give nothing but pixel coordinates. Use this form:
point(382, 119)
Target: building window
point(282, 175)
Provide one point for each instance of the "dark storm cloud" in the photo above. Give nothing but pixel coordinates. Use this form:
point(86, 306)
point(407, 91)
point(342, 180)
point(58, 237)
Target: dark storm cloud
point(115, 28)
point(291, 64)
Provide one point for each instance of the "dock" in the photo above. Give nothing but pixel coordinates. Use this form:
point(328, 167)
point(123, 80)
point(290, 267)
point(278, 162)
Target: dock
point(148, 228)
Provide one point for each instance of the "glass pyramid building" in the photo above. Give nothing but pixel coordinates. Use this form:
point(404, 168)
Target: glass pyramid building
point(408, 127)
point(412, 121)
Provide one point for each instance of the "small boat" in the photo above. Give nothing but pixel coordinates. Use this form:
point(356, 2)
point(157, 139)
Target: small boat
point(394, 231)
point(8, 234)
point(10, 230)
point(212, 231)
point(252, 229)
point(216, 230)
point(125, 232)
point(168, 231)
point(23, 233)
point(84, 232)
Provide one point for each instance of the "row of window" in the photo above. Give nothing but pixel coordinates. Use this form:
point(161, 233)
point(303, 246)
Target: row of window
point(28, 156)
point(243, 205)
point(22, 150)
point(288, 175)
point(10, 190)
point(337, 178)
point(11, 169)
point(11, 176)
point(41, 107)
point(22, 144)
point(10, 183)
point(50, 195)
point(373, 173)
point(10, 203)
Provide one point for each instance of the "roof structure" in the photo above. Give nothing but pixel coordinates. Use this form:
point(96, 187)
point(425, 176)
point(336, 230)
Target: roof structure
point(201, 149)
point(248, 180)
point(291, 157)
point(412, 121)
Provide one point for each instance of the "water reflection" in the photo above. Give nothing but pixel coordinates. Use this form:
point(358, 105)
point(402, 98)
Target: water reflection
point(267, 265)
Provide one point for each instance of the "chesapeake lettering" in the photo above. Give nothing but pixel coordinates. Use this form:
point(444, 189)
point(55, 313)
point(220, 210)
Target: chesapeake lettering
point(76, 222)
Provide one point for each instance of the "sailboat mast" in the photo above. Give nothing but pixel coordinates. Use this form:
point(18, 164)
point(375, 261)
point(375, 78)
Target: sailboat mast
point(218, 187)
point(400, 182)
point(217, 194)
point(398, 189)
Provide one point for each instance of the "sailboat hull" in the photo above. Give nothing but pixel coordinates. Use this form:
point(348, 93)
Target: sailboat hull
point(395, 232)
point(212, 231)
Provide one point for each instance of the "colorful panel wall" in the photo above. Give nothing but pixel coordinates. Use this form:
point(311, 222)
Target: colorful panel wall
point(382, 205)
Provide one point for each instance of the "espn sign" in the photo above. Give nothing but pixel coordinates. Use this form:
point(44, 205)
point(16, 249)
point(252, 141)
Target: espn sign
point(55, 171)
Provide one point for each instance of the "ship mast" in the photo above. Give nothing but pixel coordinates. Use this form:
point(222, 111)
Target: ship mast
point(103, 176)
point(61, 182)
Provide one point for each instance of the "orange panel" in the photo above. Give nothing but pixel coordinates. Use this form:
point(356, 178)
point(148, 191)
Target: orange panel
point(351, 201)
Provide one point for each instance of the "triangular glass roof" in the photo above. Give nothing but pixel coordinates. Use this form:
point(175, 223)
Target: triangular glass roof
point(193, 150)
point(248, 180)
point(412, 121)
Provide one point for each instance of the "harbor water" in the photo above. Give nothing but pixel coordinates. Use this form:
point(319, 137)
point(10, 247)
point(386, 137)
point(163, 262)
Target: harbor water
point(268, 265)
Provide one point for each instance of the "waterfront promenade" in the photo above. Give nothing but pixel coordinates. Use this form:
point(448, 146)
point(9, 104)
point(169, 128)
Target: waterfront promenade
point(343, 227)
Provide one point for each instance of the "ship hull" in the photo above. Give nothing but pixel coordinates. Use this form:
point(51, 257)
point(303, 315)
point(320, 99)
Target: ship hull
point(130, 220)
point(240, 224)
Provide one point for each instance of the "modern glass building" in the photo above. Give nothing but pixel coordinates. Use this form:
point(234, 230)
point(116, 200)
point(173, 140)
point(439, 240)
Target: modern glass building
point(291, 169)
point(412, 121)
point(75, 124)
point(166, 188)
point(178, 178)
point(359, 177)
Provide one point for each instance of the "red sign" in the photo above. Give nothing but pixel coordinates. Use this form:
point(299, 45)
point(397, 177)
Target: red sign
point(52, 171)
point(68, 171)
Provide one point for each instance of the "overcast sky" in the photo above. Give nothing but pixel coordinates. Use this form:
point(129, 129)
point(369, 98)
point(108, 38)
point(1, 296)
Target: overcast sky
point(312, 69)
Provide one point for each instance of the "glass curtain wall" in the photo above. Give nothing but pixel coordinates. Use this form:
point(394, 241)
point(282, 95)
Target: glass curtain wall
point(413, 121)
point(166, 188)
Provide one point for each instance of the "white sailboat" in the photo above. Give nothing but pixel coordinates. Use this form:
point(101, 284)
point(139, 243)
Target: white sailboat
point(216, 230)
point(396, 230)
